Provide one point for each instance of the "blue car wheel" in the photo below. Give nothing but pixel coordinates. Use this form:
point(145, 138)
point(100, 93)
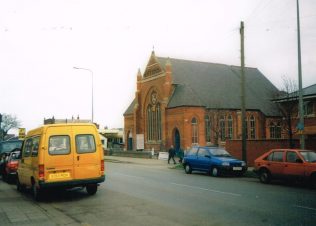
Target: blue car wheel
point(215, 172)
point(187, 169)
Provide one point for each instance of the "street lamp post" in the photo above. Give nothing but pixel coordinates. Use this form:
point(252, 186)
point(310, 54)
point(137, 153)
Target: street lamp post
point(86, 69)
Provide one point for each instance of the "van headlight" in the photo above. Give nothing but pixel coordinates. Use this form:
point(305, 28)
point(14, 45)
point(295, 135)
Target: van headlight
point(225, 164)
point(243, 164)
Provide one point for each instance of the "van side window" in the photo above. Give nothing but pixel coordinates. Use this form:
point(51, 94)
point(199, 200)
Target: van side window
point(27, 147)
point(35, 146)
point(85, 143)
point(59, 145)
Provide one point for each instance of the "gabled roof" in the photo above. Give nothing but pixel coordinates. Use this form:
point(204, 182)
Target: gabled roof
point(217, 86)
point(130, 108)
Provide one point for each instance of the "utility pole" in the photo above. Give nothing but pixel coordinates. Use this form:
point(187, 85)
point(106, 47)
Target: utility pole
point(243, 102)
point(300, 125)
point(0, 127)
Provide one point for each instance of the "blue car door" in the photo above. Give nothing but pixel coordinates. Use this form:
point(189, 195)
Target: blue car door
point(203, 160)
point(192, 157)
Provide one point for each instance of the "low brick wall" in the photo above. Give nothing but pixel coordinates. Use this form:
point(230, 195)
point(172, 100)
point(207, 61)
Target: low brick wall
point(255, 148)
point(133, 154)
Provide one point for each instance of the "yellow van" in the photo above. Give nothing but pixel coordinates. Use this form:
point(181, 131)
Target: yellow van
point(61, 155)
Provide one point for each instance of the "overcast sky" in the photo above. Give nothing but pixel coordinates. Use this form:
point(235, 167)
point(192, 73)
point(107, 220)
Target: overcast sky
point(41, 42)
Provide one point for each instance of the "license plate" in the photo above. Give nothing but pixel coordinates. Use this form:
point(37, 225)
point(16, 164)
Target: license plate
point(59, 175)
point(237, 168)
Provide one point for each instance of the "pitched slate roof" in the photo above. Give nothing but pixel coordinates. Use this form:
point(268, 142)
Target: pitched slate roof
point(308, 93)
point(217, 86)
point(310, 90)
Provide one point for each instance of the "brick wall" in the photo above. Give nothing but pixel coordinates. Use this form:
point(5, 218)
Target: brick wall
point(255, 148)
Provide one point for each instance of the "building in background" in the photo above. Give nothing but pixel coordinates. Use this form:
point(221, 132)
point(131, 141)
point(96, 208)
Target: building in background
point(186, 103)
point(289, 104)
point(114, 137)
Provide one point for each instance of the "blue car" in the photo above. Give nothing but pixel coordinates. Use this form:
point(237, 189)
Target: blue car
point(213, 160)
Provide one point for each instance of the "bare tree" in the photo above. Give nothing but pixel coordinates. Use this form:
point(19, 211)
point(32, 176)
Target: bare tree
point(9, 122)
point(286, 101)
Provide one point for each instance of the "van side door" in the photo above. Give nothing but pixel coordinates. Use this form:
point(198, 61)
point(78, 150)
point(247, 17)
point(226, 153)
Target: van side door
point(25, 165)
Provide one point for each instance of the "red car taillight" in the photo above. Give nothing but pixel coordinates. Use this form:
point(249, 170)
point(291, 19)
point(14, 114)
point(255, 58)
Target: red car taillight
point(13, 165)
point(102, 165)
point(41, 172)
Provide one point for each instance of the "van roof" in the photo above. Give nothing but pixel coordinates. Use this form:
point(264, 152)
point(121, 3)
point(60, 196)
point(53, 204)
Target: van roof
point(43, 128)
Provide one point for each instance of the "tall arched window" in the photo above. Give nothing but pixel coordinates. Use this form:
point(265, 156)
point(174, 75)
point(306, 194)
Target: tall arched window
point(246, 127)
point(222, 128)
point(272, 130)
point(207, 129)
point(230, 127)
point(194, 125)
point(153, 122)
point(252, 128)
point(278, 130)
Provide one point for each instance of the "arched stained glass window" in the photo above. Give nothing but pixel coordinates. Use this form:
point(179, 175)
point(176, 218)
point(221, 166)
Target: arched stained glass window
point(153, 122)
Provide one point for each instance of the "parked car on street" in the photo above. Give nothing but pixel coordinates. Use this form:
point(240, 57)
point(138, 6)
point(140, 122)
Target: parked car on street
point(61, 156)
point(290, 164)
point(213, 160)
point(11, 165)
point(5, 148)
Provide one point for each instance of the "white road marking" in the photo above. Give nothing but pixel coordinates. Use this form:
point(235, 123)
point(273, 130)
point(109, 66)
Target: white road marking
point(206, 189)
point(126, 175)
point(305, 207)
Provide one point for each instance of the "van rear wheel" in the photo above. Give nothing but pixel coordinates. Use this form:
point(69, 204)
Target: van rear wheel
point(36, 192)
point(92, 189)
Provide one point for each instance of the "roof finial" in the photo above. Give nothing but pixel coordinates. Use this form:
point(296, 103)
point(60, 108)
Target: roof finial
point(153, 52)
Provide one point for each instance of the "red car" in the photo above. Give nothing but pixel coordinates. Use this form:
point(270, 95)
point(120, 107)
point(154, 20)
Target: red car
point(11, 165)
point(290, 164)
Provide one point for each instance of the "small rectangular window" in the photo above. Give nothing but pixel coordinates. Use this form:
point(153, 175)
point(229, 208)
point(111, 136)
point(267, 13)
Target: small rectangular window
point(291, 156)
point(277, 156)
point(202, 153)
point(193, 151)
point(85, 143)
point(59, 145)
point(35, 146)
point(27, 148)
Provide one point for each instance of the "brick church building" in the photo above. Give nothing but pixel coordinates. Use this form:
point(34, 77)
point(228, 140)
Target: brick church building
point(185, 103)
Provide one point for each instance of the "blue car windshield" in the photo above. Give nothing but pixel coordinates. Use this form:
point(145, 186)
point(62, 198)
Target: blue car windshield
point(219, 152)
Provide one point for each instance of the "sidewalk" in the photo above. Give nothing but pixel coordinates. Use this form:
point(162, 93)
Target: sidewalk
point(20, 209)
point(158, 162)
point(145, 161)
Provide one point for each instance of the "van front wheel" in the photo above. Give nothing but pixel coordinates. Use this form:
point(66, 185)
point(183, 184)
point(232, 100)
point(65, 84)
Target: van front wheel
point(92, 189)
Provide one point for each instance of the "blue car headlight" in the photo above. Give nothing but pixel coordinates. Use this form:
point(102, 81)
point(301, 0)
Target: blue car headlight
point(243, 164)
point(225, 163)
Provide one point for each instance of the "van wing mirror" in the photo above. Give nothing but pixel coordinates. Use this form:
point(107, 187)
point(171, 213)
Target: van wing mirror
point(299, 161)
point(207, 156)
